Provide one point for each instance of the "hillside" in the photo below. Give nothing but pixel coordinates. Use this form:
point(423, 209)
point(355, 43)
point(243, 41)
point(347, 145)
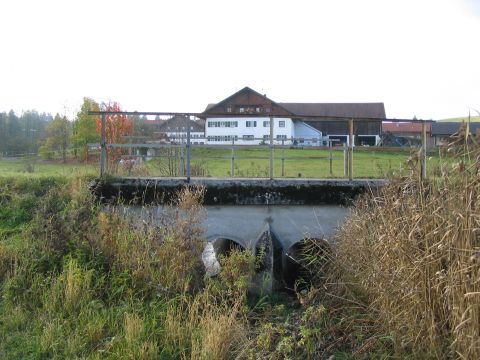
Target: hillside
point(464, 118)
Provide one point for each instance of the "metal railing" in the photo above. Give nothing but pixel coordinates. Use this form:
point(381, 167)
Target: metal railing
point(185, 146)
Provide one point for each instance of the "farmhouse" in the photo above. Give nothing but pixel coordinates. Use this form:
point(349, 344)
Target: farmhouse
point(175, 130)
point(244, 118)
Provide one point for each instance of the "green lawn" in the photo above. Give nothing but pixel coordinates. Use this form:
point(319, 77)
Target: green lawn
point(252, 162)
point(307, 163)
point(41, 168)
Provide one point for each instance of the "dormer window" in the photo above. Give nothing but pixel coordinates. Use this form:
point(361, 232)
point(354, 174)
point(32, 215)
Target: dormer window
point(229, 109)
point(241, 109)
point(258, 109)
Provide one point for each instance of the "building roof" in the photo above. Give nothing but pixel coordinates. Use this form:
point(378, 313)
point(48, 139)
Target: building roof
point(179, 123)
point(357, 110)
point(354, 110)
point(404, 127)
point(449, 128)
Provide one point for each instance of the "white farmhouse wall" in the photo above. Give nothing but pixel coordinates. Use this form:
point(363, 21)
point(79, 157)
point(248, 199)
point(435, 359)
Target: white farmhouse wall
point(241, 133)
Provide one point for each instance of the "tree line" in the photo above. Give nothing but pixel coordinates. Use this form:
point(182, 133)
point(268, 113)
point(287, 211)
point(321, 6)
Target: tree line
point(34, 133)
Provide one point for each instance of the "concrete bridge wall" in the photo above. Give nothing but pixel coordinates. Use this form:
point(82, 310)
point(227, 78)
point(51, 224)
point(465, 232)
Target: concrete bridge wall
point(274, 214)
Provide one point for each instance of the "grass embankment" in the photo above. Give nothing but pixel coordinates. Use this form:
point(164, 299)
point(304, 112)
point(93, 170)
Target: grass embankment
point(415, 250)
point(76, 282)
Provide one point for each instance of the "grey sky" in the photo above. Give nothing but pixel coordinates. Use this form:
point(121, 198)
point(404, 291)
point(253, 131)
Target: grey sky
point(420, 57)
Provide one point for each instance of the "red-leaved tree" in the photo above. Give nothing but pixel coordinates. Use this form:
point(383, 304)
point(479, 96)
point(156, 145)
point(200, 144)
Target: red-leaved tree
point(117, 127)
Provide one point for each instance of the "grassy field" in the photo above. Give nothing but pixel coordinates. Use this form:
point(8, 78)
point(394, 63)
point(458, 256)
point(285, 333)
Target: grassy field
point(254, 162)
point(28, 167)
point(298, 162)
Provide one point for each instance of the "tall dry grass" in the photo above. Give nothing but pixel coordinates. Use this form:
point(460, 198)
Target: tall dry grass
point(414, 249)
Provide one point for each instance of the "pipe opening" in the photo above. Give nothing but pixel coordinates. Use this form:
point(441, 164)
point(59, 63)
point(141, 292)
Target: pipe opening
point(214, 250)
point(224, 246)
point(305, 262)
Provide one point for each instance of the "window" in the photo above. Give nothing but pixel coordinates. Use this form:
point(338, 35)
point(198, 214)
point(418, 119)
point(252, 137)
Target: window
point(266, 123)
point(248, 137)
point(242, 109)
point(267, 109)
point(281, 137)
point(251, 124)
point(258, 109)
point(229, 109)
point(281, 123)
point(266, 137)
point(223, 124)
point(222, 138)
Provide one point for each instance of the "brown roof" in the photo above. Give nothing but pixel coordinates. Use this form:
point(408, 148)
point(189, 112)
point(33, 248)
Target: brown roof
point(357, 110)
point(178, 123)
point(404, 127)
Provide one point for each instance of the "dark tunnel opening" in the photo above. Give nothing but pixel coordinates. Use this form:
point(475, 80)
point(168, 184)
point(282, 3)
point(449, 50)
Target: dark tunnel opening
point(224, 246)
point(305, 262)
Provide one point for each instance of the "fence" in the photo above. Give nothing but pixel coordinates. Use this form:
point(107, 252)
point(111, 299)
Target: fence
point(190, 155)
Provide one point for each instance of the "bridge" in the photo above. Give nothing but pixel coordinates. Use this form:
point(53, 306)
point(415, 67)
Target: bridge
point(274, 216)
point(274, 213)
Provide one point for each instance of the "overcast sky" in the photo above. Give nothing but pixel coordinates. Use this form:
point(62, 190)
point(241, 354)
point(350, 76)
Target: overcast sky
point(419, 57)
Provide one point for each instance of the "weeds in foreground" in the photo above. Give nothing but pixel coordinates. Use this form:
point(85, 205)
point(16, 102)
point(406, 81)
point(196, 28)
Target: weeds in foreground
point(414, 249)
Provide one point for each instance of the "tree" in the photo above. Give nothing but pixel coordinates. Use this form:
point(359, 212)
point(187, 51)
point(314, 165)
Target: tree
point(85, 128)
point(117, 127)
point(57, 136)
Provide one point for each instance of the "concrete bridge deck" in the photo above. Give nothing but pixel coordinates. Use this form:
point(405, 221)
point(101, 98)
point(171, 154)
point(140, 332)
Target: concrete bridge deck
point(239, 191)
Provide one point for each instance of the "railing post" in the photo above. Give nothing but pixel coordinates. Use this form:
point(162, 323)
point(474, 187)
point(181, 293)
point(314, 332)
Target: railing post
point(331, 159)
point(345, 160)
point(182, 162)
point(103, 147)
point(271, 147)
point(423, 155)
point(350, 149)
point(233, 157)
point(283, 158)
point(188, 150)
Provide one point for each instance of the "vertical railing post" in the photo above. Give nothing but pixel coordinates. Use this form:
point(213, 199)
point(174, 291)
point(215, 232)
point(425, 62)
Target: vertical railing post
point(423, 157)
point(350, 149)
point(233, 157)
point(271, 147)
point(182, 162)
point(103, 147)
point(189, 154)
point(331, 159)
point(283, 158)
point(345, 160)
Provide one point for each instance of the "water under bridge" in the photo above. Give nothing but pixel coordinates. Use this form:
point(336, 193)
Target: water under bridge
point(273, 215)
